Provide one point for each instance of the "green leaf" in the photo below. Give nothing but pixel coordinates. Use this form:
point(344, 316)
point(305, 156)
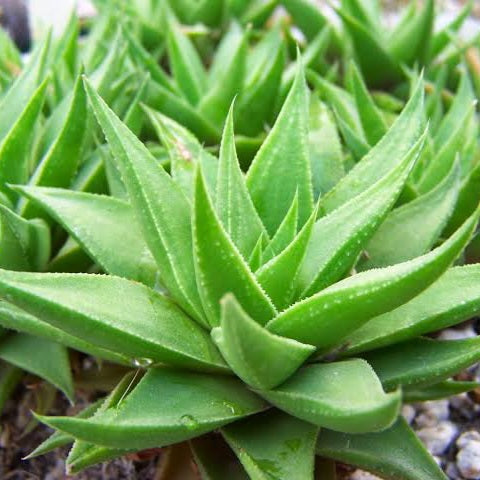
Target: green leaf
point(186, 64)
point(59, 439)
point(387, 153)
point(307, 16)
point(274, 445)
point(60, 163)
point(327, 317)
point(278, 275)
point(145, 419)
point(170, 104)
point(226, 76)
point(422, 361)
point(412, 229)
point(103, 226)
point(81, 304)
point(395, 454)
point(262, 83)
point(378, 67)
point(24, 244)
point(220, 268)
point(338, 238)
point(160, 206)
point(325, 149)
point(453, 298)
point(19, 95)
point(285, 233)
point(411, 43)
point(233, 203)
point(16, 146)
point(437, 391)
point(442, 162)
point(14, 318)
point(185, 153)
point(43, 358)
point(282, 166)
point(322, 394)
point(373, 123)
point(259, 358)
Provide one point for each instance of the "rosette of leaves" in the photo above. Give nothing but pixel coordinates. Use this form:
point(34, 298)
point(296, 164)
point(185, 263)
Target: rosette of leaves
point(45, 140)
point(249, 302)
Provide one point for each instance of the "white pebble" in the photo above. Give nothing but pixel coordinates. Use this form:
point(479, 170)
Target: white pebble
point(433, 412)
point(468, 460)
point(465, 438)
point(438, 438)
point(408, 412)
point(457, 334)
point(361, 475)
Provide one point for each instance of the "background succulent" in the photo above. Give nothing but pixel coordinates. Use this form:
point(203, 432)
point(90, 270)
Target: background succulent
point(274, 256)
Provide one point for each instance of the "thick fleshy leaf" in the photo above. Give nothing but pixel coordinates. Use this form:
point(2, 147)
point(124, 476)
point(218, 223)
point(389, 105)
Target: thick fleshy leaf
point(24, 244)
point(259, 358)
point(103, 226)
point(145, 419)
point(423, 361)
point(395, 454)
point(378, 67)
point(43, 358)
point(338, 238)
point(233, 203)
point(412, 229)
point(274, 445)
point(411, 42)
point(453, 298)
point(278, 275)
point(220, 268)
point(159, 204)
point(226, 76)
point(326, 159)
point(282, 166)
point(14, 318)
point(445, 389)
point(59, 439)
point(263, 77)
point(388, 152)
point(442, 162)
point(373, 123)
point(60, 163)
point(321, 394)
point(16, 146)
point(105, 311)
point(285, 233)
point(21, 92)
point(186, 64)
point(307, 16)
point(327, 317)
point(185, 152)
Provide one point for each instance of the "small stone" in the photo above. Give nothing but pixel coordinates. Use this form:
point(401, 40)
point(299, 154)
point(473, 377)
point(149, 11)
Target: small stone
point(408, 412)
point(465, 438)
point(438, 438)
point(457, 334)
point(468, 460)
point(432, 412)
point(361, 475)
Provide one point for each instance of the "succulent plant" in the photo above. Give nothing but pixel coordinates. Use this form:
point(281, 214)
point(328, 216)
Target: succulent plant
point(265, 260)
